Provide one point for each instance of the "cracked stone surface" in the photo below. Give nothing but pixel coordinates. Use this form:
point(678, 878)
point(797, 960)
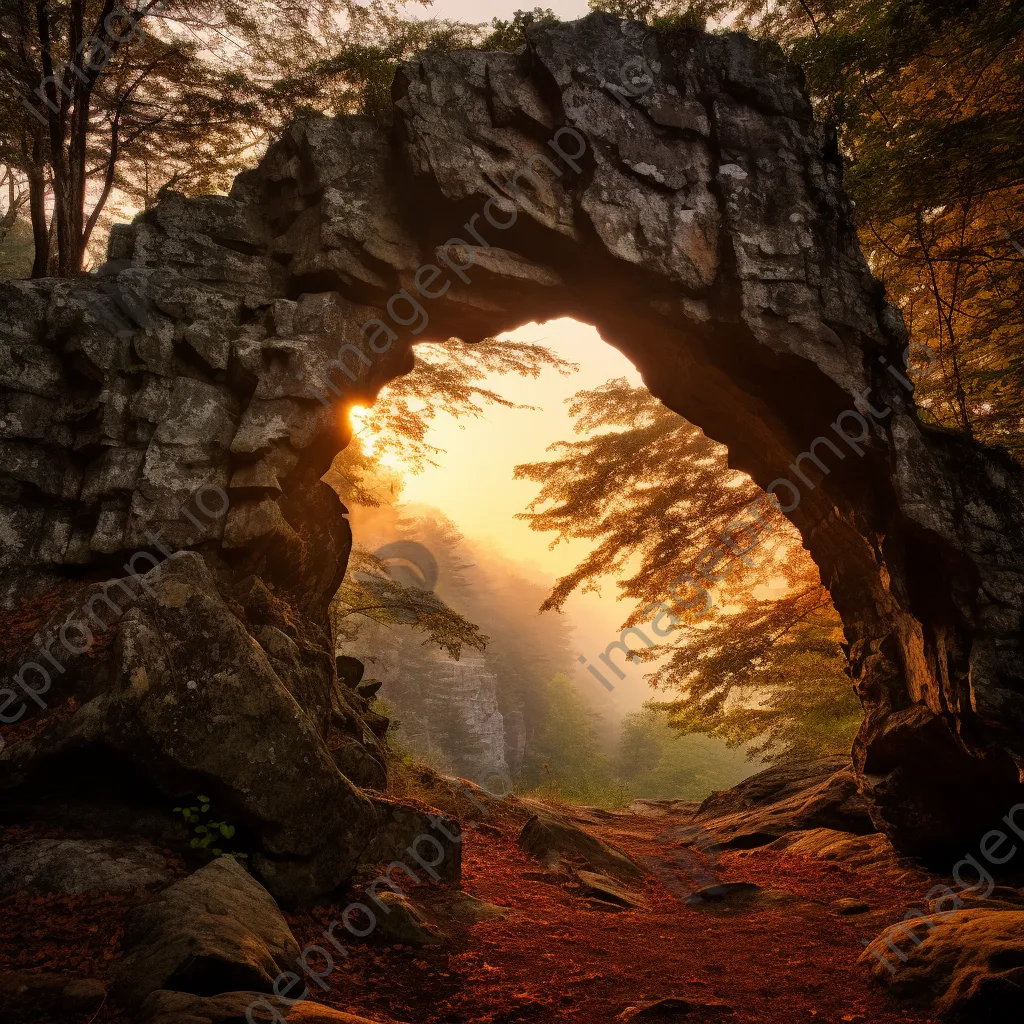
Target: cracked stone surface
point(700, 225)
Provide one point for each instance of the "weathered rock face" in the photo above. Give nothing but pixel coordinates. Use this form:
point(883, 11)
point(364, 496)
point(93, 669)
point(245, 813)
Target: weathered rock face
point(81, 865)
point(784, 799)
point(217, 930)
point(967, 964)
point(700, 224)
point(439, 694)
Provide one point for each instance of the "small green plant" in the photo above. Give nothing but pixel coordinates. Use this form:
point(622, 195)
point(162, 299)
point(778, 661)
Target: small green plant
point(207, 831)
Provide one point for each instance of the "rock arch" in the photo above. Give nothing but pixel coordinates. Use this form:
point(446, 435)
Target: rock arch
point(671, 188)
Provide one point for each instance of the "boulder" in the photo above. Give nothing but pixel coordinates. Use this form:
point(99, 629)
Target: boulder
point(968, 965)
point(82, 865)
point(350, 670)
point(194, 704)
point(461, 908)
point(369, 688)
point(725, 892)
point(850, 907)
point(430, 844)
point(872, 853)
point(551, 838)
point(400, 922)
point(607, 890)
point(216, 931)
point(783, 799)
point(165, 1007)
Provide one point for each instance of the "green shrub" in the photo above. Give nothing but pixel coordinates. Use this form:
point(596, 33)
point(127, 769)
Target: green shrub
point(207, 831)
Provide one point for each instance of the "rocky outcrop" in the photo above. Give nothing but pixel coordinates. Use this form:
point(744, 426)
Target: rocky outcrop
point(558, 843)
point(82, 865)
point(786, 798)
point(698, 221)
point(967, 964)
point(216, 931)
point(191, 701)
point(443, 704)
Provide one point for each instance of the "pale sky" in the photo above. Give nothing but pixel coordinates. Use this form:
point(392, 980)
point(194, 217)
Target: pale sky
point(474, 11)
point(473, 486)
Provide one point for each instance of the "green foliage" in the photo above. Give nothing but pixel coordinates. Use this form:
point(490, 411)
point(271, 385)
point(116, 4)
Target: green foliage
point(510, 35)
point(655, 762)
point(207, 831)
point(565, 760)
point(763, 665)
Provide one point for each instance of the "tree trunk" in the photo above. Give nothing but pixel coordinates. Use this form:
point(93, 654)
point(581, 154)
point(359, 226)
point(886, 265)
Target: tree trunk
point(37, 209)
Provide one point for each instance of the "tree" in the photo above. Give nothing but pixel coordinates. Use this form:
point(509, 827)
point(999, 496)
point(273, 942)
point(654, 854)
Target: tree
point(447, 376)
point(760, 661)
point(665, 13)
point(768, 673)
point(566, 760)
point(638, 464)
point(15, 240)
point(655, 762)
point(363, 70)
point(510, 35)
point(368, 589)
point(929, 101)
point(86, 71)
point(129, 96)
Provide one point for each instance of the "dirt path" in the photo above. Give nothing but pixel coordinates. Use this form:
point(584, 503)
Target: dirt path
point(559, 957)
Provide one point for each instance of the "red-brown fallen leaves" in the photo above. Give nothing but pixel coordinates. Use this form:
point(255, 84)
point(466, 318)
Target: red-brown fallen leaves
point(558, 959)
point(78, 935)
point(21, 624)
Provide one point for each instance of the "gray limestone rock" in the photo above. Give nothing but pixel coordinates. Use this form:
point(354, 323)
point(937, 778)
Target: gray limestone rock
point(216, 931)
point(82, 865)
point(695, 215)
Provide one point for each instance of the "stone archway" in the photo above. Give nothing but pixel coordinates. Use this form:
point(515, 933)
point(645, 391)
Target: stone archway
point(670, 188)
